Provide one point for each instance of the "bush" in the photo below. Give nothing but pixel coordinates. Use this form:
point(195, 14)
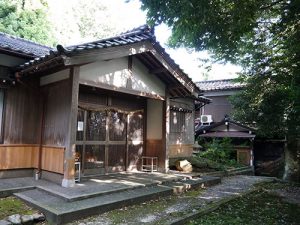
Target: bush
point(220, 151)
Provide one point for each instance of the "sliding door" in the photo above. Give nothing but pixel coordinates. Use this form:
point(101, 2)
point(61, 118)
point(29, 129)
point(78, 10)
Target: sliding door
point(108, 141)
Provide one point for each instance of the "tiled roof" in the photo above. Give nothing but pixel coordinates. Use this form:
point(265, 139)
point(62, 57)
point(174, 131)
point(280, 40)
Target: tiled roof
point(230, 134)
point(136, 35)
point(142, 33)
point(139, 34)
point(218, 85)
point(21, 46)
point(202, 129)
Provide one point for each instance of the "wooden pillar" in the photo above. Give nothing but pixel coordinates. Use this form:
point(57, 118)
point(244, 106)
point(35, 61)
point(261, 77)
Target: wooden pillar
point(166, 130)
point(251, 153)
point(69, 160)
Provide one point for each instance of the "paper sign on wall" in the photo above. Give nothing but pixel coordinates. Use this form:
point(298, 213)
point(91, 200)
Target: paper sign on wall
point(80, 126)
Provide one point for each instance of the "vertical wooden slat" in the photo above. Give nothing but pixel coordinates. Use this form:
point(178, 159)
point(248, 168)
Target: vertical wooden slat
point(22, 115)
point(58, 100)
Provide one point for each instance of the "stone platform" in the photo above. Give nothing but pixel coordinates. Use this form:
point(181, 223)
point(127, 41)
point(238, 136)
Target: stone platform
point(97, 195)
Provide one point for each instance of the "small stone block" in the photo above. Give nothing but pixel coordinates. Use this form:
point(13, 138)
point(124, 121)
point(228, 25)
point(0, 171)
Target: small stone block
point(27, 219)
point(37, 217)
point(5, 222)
point(14, 219)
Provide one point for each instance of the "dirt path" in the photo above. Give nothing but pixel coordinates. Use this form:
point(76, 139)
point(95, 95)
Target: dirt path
point(166, 210)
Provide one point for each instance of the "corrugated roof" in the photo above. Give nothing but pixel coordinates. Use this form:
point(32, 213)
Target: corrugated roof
point(218, 85)
point(21, 46)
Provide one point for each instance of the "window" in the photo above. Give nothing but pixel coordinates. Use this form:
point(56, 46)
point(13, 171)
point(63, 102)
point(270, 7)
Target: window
point(179, 124)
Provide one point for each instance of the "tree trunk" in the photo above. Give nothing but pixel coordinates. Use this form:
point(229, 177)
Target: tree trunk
point(292, 160)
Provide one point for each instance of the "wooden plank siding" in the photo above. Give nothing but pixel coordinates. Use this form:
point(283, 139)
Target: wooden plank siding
point(180, 150)
point(18, 156)
point(22, 125)
point(154, 148)
point(24, 156)
point(58, 101)
point(53, 159)
point(22, 115)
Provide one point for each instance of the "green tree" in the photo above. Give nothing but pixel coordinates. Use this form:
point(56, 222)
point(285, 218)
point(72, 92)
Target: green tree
point(20, 20)
point(80, 21)
point(263, 37)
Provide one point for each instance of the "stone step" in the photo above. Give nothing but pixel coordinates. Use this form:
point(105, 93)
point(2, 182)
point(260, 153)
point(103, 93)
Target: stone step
point(58, 210)
point(9, 191)
point(81, 195)
point(77, 197)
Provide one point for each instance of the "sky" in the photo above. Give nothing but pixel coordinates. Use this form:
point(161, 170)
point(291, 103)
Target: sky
point(127, 15)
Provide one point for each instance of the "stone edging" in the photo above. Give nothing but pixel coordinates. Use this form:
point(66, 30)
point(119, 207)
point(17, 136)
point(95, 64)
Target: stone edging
point(231, 172)
point(23, 219)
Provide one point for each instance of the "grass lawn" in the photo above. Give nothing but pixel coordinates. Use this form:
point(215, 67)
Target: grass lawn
point(259, 207)
point(12, 205)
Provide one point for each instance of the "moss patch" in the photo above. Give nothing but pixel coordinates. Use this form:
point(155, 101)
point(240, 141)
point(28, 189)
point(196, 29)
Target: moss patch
point(153, 207)
point(156, 208)
point(12, 205)
point(259, 207)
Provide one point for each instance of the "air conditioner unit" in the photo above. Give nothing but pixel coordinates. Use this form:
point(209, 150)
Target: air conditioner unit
point(206, 119)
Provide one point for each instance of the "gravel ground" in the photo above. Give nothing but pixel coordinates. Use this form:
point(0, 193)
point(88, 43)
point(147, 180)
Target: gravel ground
point(290, 194)
point(166, 210)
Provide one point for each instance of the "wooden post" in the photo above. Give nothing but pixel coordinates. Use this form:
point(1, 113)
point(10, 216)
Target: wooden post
point(129, 79)
point(42, 128)
point(145, 118)
point(251, 153)
point(69, 160)
point(166, 130)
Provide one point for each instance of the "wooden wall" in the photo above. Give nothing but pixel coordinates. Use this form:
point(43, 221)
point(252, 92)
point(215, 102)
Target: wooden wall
point(26, 156)
point(154, 148)
point(58, 102)
point(219, 107)
point(22, 115)
point(18, 156)
point(180, 150)
point(116, 74)
point(53, 159)
point(22, 124)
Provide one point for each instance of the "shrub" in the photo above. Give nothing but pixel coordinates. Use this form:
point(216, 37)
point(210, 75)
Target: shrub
point(220, 151)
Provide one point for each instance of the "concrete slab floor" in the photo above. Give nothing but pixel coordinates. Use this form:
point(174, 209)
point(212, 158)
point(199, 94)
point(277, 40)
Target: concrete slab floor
point(97, 184)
